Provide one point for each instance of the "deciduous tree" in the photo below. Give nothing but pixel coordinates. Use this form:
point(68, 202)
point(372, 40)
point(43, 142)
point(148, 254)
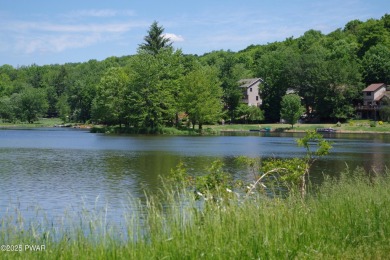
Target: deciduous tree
point(109, 105)
point(154, 88)
point(376, 64)
point(30, 104)
point(292, 108)
point(202, 96)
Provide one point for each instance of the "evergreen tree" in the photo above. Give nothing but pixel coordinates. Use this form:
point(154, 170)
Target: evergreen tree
point(155, 40)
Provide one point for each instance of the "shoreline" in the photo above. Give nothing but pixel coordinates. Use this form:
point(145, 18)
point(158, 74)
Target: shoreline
point(361, 128)
point(243, 131)
point(303, 131)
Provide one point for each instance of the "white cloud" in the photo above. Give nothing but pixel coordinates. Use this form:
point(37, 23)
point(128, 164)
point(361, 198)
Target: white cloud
point(101, 13)
point(77, 29)
point(56, 43)
point(173, 37)
point(74, 28)
point(56, 37)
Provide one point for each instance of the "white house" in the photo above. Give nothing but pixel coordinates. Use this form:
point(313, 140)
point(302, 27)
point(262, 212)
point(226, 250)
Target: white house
point(251, 91)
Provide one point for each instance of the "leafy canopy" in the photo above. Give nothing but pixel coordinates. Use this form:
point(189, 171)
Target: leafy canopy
point(291, 108)
point(202, 96)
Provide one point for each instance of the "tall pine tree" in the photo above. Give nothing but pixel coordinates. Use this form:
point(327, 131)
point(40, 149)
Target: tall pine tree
point(155, 40)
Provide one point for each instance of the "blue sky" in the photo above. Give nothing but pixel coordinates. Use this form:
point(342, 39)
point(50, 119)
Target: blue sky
point(56, 32)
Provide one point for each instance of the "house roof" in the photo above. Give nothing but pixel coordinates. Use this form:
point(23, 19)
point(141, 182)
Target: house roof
point(246, 83)
point(386, 94)
point(374, 87)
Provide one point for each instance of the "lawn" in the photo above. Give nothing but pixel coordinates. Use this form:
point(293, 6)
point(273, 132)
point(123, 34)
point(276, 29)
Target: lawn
point(351, 126)
point(357, 126)
point(42, 122)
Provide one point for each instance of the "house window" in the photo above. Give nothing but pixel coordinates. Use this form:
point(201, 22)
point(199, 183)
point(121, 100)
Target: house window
point(368, 93)
point(250, 89)
point(257, 98)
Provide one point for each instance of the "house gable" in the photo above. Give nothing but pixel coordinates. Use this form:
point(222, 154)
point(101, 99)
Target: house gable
point(250, 90)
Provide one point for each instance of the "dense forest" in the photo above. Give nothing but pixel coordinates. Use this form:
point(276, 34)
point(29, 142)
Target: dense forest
point(160, 85)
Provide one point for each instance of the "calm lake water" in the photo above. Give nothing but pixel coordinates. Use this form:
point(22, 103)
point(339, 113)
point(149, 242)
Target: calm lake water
point(67, 170)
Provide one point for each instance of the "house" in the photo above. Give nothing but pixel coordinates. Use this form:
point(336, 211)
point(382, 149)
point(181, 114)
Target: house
point(251, 91)
point(374, 97)
point(373, 94)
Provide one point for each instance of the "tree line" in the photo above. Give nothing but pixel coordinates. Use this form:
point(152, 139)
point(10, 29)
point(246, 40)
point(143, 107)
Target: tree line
point(160, 86)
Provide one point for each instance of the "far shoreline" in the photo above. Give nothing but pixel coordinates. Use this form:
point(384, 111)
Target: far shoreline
point(350, 127)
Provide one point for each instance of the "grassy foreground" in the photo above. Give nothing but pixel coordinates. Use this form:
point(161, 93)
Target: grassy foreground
point(347, 218)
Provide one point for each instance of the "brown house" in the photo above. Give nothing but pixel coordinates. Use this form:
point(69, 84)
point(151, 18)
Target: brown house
point(374, 97)
point(251, 91)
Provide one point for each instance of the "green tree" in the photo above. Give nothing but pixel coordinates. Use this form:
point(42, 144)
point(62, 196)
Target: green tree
point(278, 69)
point(202, 96)
point(312, 77)
point(384, 111)
point(82, 82)
point(155, 40)
point(80, 100)
point(52, 99)
point(63, 108)
point(56, 83)
point(372, 33)
point(291, 108)
point(376, 64)
point(342, 87)
point(7, 111)
point(249, 113)
point(255, 114)
point(30, 104)
point(231, 70)
point(5, 84)
point(154, 89)
point(109, 105)
point(309, 38)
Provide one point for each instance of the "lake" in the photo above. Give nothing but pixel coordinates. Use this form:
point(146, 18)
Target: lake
point(58, 170)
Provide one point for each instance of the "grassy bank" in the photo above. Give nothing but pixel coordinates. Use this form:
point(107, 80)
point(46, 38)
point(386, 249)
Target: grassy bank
point(351, 126)
point(160, 131)
point(348, 218)
point(43, 122)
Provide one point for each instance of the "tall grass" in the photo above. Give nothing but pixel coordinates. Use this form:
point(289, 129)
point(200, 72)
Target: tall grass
point(347, 218)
